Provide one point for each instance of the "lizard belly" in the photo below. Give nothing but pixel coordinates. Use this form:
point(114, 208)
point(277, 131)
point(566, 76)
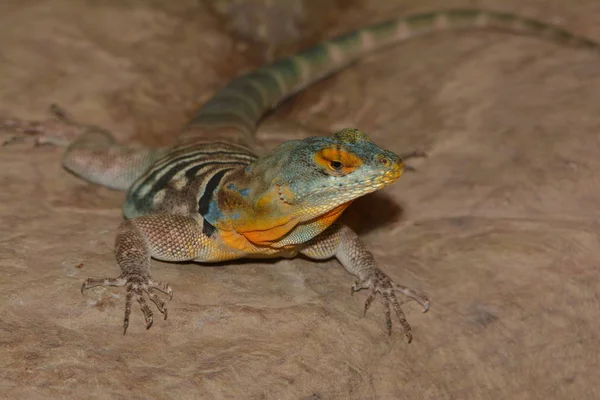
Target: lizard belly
point(218, 250)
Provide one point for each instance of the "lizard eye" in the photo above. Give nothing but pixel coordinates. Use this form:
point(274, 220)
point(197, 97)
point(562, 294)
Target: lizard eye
point(336, 165)
point(335, 160)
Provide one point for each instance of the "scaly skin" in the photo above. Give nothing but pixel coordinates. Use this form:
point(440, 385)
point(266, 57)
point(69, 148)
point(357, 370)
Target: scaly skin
point(210, 198)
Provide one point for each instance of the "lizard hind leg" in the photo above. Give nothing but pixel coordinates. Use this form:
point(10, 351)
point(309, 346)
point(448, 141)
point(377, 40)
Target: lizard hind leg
point(91, 152)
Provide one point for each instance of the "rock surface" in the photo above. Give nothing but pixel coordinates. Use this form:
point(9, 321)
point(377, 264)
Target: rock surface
point(499, 226)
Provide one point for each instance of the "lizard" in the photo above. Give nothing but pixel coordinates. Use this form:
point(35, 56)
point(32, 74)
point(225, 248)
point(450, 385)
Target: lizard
point(210, 197)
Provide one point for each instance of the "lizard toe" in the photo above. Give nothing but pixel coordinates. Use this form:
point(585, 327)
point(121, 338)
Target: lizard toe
point(138, 286)
point(379, 283)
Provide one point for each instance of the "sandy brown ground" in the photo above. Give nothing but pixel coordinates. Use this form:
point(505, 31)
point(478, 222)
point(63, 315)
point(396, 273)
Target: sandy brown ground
point(499, 225)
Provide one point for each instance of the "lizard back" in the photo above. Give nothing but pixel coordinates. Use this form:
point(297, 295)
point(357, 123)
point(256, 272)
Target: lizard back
point(185, 178)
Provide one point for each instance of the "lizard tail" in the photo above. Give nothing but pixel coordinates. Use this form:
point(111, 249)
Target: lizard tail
point(235, 110)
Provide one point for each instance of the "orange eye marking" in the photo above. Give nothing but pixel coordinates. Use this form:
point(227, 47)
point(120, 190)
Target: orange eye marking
point(338, 160)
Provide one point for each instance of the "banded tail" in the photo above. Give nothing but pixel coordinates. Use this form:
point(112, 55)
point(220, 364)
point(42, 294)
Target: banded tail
point(235, 110)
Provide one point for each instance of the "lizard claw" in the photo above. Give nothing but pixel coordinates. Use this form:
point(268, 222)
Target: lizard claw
point(143, 288)
point(58, 131)
point(378, 282)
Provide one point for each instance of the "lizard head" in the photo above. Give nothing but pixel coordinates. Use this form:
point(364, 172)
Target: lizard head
point(304, 186)
point(316, 175)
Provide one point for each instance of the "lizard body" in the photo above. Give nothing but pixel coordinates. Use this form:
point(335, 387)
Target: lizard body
point(210, 198)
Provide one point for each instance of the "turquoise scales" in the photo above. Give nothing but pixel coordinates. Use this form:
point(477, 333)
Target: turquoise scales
point(210, 198)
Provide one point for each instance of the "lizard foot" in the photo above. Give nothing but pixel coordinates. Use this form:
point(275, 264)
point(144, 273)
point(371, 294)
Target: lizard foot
point(140, 287)
point(58, 131)
point(380, 283)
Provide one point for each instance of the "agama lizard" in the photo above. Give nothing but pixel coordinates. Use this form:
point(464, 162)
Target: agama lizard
point(210, 198)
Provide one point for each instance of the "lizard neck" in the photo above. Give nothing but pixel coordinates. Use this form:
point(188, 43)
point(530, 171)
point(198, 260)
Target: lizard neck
point(246, 208)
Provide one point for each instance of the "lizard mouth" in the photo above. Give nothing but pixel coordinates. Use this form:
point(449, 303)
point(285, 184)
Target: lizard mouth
point(281, 192)
point(393, 174)
point(361, 188)
point(388, 177)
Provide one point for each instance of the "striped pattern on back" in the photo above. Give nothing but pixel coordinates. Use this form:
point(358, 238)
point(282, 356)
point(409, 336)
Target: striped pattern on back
point(176, 182)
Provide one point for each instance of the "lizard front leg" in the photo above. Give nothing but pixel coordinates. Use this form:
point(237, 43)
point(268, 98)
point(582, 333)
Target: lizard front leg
point(161, 236)
point(340, 241)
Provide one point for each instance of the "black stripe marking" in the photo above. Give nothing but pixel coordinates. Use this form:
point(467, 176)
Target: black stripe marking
point(203, 205)
point(211, 185)
point(188, 154)
point(190, 173)
point(166, 178)
point(181, 163)
point(145, 201)
point(208, 229)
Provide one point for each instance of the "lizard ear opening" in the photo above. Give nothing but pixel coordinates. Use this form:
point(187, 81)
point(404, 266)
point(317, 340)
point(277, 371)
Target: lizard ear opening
point(337, 161)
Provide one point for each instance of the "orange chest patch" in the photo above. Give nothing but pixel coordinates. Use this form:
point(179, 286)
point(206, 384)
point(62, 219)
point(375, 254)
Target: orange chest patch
point(329, 218)
point(278, 229)
point(269, 231)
